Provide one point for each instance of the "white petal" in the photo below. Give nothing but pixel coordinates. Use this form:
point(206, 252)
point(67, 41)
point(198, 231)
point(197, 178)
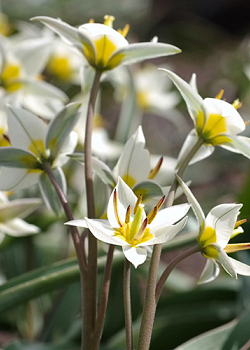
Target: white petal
point(222, 218)
point(226, 263)
point(192, 98)
point(134, 161)
point(165, 234)
point(14, 178)
point(210, 272)
point(141, 51)
point(169, 216)
point(234, 122)
point(125, 197)
point(240, 268)
point(238, 144)
point(104, 233)
point(135, 255)
point(18, 228)
point(194, 203)
point(203, 152)
point(24, 127)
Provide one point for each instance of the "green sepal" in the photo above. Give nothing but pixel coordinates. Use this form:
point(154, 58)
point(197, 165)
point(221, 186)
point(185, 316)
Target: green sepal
point(60, 128)
point(48, 191)
point(18, 158)
point(149, 190)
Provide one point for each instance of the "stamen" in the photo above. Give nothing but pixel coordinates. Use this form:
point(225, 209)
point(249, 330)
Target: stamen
point(141, 230)
point(124, 31)
point(231, 248)
point(128, 213)
point(219, 95)
point(240, 222)
point(108, 20)
point(116, 209)
point(139, 200)
point(156, 169)
point(91, 20)
point(246, 122)
point(237, 104)
point(154, 211)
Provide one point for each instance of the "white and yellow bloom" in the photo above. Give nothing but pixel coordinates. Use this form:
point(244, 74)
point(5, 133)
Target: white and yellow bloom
point(103, 47)
point(128, 225)
point(215, 231)
point(217, 123)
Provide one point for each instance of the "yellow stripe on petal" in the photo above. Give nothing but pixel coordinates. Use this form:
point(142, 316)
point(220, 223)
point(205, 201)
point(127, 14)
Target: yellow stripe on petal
point(59, 66)
point(210, 252)
point(37, 147)
point(200, 121)
point(8, 76)
point(207, 237)
point(104, 49)
point(129, 180)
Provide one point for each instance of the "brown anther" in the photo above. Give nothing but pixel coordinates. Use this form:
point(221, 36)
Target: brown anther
point(124, 31)
point(116, 209)
point(236, 104)
point(128, 213)
point(6, 138)
point(154, 211)
point(141, 230)
point(240, 222)
point(220, 94)
point(139, 200)
point(152, 214)
point(156, 169)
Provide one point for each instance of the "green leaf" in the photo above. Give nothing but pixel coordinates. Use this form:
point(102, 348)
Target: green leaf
point(18, 158)
point(17, 345)
point(60, 128)
point(48, 191)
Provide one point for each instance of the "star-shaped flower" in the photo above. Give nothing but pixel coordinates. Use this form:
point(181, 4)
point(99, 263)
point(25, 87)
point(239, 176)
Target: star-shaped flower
point(128, 225)
point(215, 231)
point(103, 47)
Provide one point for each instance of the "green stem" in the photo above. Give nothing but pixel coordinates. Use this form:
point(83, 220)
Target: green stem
point(90, 301)
point(104, 298)
point(171, 266)
point(150, 302)
point(127, 305)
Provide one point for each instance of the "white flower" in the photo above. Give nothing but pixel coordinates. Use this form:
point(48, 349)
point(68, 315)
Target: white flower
point(129, 227)
point(216, 122)
point(214, 233)
point(103, 47)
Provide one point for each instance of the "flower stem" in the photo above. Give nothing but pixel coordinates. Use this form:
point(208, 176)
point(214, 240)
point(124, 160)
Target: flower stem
point(170, 267)
point(127, 305)
point(104, 297)
point(90, 301)
point(150, 301)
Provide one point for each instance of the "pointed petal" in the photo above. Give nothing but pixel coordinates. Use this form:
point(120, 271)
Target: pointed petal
point(136, 255)
point(194, 203)
point(24, 128)
point(226, 262)
point(240, 268)
point(141, 51)
point(44, 90)
point(17, 158)
point(222, 219)
point(193, 100)
point(169, 216)
point(104, 232)
point(60, 128)
point(18, 228)
point(149, 190)
point(18, 207)
point(125, 197)
point(67, 148)
point(134, 163)
point(12, 179)
point(67, 33)
point(165, 234)
point(210, 272)
point(203, 152)
point(238, 144)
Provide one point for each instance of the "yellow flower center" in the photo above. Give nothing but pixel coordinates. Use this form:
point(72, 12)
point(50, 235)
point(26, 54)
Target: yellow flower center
point(37, 147)
point(8, 76)
point(142, 99)
point(213, 129)
point(124, 233)
point(3, 140)
point(206, 240)
point(59, 66)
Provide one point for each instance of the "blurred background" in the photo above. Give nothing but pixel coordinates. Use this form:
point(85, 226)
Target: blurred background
point(215, 40)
